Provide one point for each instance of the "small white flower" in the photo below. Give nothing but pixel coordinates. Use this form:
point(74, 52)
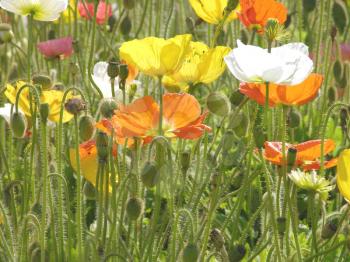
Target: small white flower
point(286, 65)
point(103, 81)
point(42, 10)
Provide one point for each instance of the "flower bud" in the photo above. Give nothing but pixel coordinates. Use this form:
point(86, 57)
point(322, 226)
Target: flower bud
point(331, 94)
point(89, 191)
point(309, 5)
point(44, 112)
point(129, 4)
point(329, 229)
point(107, 107)
point(43, 81)
point(185, 159)
point(113, 69)
point(218, 104)
point(190, 253)
point(150, 175)
point(18, 124)
point(86, 127)
point(125, 26)
point(237, 253)
point(132, 91)
point(340, 15)
point(272, 29)
point(291, 156)
point(260, 137)
point(217, 238)
point(73, 68)
point(123, 72)
point(231, 5)
point(134, 208)
point(236, 98)
point(338, 71)
point(112, 21)
point(229, 140)
point(293, 119)
point(75, 106)
point(6, 34)
point(102, 146)
point(281, 225)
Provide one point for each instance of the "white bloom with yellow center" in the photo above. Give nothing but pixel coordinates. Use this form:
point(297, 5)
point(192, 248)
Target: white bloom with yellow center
point(285, 65)
point(42, 10)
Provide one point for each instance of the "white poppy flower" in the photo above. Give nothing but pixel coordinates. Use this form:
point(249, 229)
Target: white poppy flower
point(42, 10)
point(103, 81)
point(286, 65)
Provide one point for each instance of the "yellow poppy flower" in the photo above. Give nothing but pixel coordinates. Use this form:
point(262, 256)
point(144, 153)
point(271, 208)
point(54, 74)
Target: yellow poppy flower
point(343, 174)
point(212, 11)
point(51, 97)
point(201, 65)
point(156, 56)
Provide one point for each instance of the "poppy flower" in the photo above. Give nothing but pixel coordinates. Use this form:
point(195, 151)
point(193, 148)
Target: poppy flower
point(307, 157)
point(181, 118)
point(88, 161)
point(256, 13)
point(51, 97)
point(104, 11)
point(56, 48)
point(42, 10)
point(285, 65)
point(287, 95)
point(212, 11)
point(156, 56)
point(343, 174)
point(201, 65)
point(103, 81)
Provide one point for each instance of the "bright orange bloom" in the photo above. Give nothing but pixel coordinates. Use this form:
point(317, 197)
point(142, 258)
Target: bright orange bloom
point(181, 118)
point(255, 13)
point(308, 153)
point(287, 95)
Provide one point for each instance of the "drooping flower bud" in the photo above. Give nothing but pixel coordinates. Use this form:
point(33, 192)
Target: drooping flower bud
point(150, 175)
point(75, 106)
point(86, 127)
point(218, 104)
point(125, 26)
point(44, 112)
point(185, 159)
point(43, 81)
point(190, 253)
point(102, 146)
point(123, 72)
point(134, 208)
point(217, 238)
point(107, 107)
point(18, 124)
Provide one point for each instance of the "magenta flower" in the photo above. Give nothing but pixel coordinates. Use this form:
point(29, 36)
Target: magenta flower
point(57, 48)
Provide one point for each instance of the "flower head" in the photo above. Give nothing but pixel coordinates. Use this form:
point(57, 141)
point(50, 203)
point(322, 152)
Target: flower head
point(254, 14)
point(287, 95)
point(181, 118)
point(311, 182)
point(51, 97)
point(307, 153)
point(212, 11)
point(343, 174)
point(104, 11)
point(103, 81)
point(285, 65)
point(56, 48)
point(201, 65)
point(156, 56)
point(42, 10)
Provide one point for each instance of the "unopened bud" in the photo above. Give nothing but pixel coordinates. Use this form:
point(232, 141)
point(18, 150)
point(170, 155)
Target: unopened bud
point(75, 106)
point(340, 15)
point(43, 81)
point(44, 112)
point(190, 253)
point(18, 124)
point(86, 127)
point(291, 156)
point(331, 95)
point(231, 5)
point(150, 175)
point(260, 137)
point(125, 26)
point(113, 69)
point(134, 208)
point(217, 238)
point(237, 253)
point(229, 140)
point(338, 71)
point(242, 125)
point(272, 28)
point(102, 146)
point(107, 107)
point(294, 119)
point(218, 104)
point(132, 91)
point(123, 72)
point(185, 159)
point(6, 34)
point(73, 68)
point(309, 5)
point(236, 98)
point(329, 229)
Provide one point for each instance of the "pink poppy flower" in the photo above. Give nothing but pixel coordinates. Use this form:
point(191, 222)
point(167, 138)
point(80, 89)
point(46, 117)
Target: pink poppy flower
point(104, 11)
point(57, 48)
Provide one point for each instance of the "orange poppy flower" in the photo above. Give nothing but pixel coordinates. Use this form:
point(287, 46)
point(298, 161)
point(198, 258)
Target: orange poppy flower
point(287, 95)
point(181, 118)
point(88, 160)
point(255, 13)
point(308, 153)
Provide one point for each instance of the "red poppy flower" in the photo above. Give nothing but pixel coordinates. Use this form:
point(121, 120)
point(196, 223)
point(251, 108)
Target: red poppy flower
point(104, 11)
point(181, 118)
point(308, 153)
point(57, 48)
point(255, 13)
point(287, 95)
